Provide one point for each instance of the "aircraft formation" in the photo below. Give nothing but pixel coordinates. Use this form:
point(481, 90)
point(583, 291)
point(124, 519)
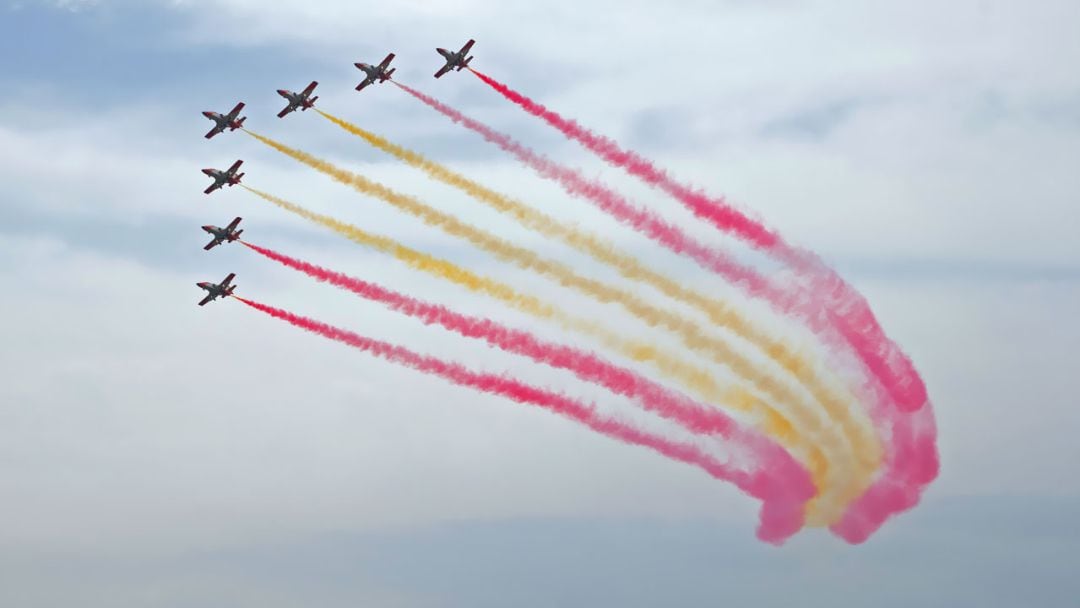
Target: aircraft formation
point(303, 100)
point(854, 446)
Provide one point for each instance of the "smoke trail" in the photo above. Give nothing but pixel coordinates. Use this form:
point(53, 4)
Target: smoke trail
point(911, 464)
point(805, 416)
point(884, 359)
point(831, 299)
point(612, 203)
point(781, 513)
point(852, 424)
point(733, 221)
point(697, 379)
point(693, 416)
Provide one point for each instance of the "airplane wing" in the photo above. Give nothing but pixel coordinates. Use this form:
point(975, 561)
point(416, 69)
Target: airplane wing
point(233, 224)
point(309, 89)
point(234, 167)
point(213, 132)
point(386, 62)
point(205, 300)
point(212, 244)
point(228, 279)
point(444, 69)
point(367, 81)
point(236, 111)
point(213, 186)
point(465, 49)
point(288, 108)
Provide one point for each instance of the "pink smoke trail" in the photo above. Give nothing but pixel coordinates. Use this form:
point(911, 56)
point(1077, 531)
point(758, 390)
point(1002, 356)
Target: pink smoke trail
point(611, 202)
point(779, 518)
point(857, 323)
point(831, 308)
point(696, 417)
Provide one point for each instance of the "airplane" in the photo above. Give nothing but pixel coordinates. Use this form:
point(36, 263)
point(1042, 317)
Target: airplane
point(217, 290)
point(455, 60)
point(298, 100)
point(227, 234)
point(228, 121)
point(228, 176)
point(375, 73)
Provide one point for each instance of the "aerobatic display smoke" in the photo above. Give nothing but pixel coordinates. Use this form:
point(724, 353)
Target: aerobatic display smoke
point(824, 302)
point(720, 313)
point(782, 504)
point(695, 378)
point(850, 460)
point(838, 433)
point(827, 293)
point(883, 357)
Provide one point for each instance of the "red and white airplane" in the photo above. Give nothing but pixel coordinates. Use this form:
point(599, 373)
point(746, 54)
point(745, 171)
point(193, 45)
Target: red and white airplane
point(227, 234)
point(231, 121)
point(217, 290)
point(375, 73)
point(456, 60)
point(228, 176)
point(301, 100)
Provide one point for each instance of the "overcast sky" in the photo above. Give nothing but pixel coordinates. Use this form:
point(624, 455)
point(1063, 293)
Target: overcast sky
point(153, 452)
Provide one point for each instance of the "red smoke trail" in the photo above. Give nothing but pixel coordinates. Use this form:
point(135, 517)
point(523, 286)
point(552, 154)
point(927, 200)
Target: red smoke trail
point(911, 464)
point(696, 417)
point(779, 518)
point(718, 213)
point(614, 204)
point(832, 309)
point(883, 358)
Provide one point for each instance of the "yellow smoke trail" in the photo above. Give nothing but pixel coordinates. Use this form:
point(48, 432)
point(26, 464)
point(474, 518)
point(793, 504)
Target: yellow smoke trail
point(697, 379)
point(808, 425)
point(843, 479)
point(858, 431)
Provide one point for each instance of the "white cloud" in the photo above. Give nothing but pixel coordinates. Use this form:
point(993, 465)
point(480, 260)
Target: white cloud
point(169, 425)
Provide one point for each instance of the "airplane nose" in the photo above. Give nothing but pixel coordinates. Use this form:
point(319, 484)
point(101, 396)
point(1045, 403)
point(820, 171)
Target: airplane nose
point(282, 92)
point(207, 114)
point(208, 171)
point(208, 227)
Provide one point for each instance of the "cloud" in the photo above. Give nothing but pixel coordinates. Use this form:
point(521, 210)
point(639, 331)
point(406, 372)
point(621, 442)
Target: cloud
point(139, 429)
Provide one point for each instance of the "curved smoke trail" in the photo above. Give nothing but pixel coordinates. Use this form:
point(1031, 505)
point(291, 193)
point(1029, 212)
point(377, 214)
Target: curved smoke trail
point(694, 416)
point(850, 476)
point(696, 379)
point(718, 312)
point(846, 310)
point(864, 443)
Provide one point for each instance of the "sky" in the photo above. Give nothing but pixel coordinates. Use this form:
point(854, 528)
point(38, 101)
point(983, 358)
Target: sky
point(153, 452)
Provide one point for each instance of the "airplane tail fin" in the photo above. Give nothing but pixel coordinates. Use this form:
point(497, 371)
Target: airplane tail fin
point(240, 122)
point(392, 70)
point(236, 235)
point(465, 63)
point(310, 102)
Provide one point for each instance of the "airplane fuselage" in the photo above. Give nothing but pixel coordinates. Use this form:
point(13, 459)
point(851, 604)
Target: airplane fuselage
point(218, 119)
point(453, 58)
point(219, 233)
point(215, 290)
point(296, 100)
point(373, 72)
point(231, 121)
point(220, 177)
